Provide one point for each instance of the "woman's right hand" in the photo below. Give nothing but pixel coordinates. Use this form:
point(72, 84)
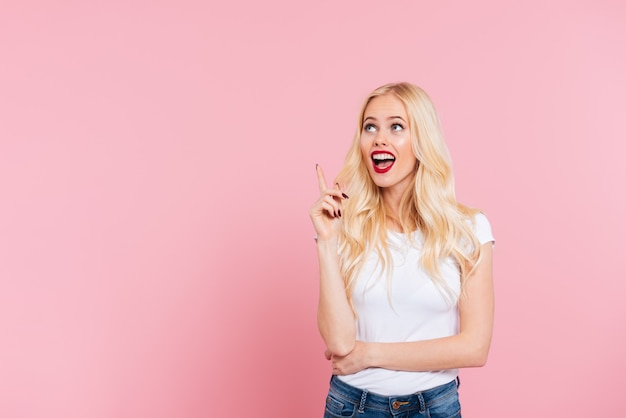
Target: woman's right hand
point(326, 211)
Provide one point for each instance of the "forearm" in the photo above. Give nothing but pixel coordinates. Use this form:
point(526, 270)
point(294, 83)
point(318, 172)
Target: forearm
point(438, 354)
point(335, 318)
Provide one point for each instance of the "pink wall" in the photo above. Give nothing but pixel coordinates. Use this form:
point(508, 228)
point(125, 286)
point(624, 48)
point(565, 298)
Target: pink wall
point(157, 165)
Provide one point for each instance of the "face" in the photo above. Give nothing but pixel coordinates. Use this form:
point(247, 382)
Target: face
point(386, 144)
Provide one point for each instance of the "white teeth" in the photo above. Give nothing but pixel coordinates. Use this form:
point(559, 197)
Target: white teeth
point(383, 157)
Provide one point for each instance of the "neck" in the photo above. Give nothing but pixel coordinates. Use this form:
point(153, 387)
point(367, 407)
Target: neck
point(392, 201)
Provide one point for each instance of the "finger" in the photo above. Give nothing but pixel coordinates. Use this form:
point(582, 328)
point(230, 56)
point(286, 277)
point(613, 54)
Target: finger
point(338, 188)
point(336, 204)
point(321, 179)
point(332, 211)
point(336, 193)
point(329, 200)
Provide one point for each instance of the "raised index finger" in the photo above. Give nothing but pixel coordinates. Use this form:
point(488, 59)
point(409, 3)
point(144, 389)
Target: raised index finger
point(320, 178)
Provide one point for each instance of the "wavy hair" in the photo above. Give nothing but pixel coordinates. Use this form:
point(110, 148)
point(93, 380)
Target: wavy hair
point(429, 206)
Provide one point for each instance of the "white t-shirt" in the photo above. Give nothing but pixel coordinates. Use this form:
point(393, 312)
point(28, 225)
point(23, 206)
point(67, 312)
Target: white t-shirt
point(414, 310)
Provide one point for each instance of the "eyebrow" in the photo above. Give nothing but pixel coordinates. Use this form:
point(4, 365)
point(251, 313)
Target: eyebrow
point(389, 118)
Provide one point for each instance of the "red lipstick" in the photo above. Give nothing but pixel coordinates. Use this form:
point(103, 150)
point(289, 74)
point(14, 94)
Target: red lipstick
point(382, 161)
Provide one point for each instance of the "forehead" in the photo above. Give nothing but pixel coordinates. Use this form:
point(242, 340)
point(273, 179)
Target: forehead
point(385, 106)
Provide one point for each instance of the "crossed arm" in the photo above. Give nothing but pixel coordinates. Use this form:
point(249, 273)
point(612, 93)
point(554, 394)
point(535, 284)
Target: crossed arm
point(468, 348)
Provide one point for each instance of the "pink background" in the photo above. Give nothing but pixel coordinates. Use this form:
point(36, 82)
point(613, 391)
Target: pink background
point(157, 165)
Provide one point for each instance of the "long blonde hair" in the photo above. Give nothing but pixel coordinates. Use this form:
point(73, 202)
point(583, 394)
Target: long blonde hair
point(430, 205)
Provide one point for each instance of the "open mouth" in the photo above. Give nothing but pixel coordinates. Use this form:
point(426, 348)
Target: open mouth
point(383, 161)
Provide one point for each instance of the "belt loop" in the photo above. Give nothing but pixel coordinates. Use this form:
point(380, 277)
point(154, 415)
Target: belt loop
point(362, 403)
point(420, 398)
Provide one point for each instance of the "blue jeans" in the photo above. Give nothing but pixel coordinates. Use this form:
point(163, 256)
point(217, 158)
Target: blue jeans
point(344, 400)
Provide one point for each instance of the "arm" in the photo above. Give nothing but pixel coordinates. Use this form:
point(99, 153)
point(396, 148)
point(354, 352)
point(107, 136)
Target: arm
point(468, 348)
point(335, 318)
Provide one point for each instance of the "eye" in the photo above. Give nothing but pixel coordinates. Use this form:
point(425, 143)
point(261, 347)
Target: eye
point(369, 128)
point(397, 127)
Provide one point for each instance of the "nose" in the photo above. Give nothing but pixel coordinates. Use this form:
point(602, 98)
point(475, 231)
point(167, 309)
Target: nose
point(380, 140)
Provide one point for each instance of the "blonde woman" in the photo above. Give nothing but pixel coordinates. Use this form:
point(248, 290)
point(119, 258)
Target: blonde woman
point(406, 292)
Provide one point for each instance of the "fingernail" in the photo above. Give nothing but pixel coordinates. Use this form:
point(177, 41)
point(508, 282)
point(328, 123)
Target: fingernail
point(345, 196)
point(316, 165)
point(339, 213)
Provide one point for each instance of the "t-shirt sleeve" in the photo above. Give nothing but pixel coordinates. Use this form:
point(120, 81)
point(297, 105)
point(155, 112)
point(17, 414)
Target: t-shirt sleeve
point(482, 228)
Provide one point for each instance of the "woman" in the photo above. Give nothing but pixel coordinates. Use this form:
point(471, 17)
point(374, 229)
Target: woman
point(406, 292)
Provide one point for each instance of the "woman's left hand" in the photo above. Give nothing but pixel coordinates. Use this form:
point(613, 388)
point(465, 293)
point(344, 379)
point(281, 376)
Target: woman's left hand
point(350, 364)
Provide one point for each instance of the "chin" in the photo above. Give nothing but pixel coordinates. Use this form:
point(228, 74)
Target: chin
point(382, 184)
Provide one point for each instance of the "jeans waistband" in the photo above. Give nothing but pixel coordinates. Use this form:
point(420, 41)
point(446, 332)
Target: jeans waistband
point(395, 404)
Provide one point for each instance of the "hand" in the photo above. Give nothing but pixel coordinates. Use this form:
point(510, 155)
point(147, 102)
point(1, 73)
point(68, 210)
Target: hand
point(326, 211)
point(350, 364)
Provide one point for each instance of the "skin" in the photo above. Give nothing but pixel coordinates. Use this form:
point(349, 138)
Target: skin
point(336, 322)
point(335, 319)
point(386, 128)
